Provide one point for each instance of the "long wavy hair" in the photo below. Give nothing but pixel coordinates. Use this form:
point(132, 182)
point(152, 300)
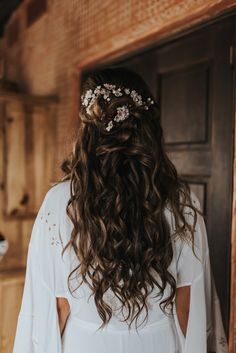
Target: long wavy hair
point(120, 183)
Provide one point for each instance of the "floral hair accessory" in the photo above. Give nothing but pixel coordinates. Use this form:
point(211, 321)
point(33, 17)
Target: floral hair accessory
point(122, 114)
point(108, 90)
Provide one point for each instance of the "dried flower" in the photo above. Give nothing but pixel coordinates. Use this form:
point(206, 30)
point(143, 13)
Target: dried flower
point(110, 125)
point(89, 98)
point(122, 113)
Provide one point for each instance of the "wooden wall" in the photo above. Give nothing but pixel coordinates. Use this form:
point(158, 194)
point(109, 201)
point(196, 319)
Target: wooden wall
point(27, 159)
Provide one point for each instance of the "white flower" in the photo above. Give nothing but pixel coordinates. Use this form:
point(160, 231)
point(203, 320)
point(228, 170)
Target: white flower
point(133, 93)
point(109, 126)
point(122, 113)
point(107, 91)
point(109, 86)
point(97, 90)
point(150, 101)
point(138, 100)
point(117, 92)
point(85, 102)
point(89, 94)
point(86, 98)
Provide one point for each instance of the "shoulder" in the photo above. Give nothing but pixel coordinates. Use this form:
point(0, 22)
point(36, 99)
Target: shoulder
point(195, 200)
point(57, 195)
point(193, 219)
point(187, 209)
point(55, 201)
point(52, 214)
point(58, 191)
point(197, 222)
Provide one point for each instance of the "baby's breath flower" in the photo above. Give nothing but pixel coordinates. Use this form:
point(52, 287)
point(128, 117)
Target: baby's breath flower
point(106, 91)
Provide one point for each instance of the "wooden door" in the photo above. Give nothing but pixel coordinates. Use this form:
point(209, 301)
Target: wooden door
point(192, 78)
point(195, 87)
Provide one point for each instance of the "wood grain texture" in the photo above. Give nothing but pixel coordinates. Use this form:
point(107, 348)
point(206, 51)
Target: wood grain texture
point(27, 159)
point(11, 288)
point(232, 333)
point(15, 157)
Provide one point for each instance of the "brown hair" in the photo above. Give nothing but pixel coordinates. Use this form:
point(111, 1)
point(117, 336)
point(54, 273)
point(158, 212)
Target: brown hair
point(120, 184)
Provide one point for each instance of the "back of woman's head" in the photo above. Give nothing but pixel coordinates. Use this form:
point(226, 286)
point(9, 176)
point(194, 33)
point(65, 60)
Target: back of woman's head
point(121, 182)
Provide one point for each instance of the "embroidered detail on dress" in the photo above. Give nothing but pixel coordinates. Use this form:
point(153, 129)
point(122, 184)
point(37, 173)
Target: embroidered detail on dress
point(222, 342)
point(54, 241)
point(189, 213)
point(185, 230)
point(54, 238)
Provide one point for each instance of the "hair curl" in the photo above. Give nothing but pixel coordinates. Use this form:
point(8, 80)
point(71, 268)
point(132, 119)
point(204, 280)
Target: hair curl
point(120, 184)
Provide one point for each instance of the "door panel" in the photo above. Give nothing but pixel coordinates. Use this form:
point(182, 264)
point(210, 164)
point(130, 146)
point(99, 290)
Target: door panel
point(190, 105)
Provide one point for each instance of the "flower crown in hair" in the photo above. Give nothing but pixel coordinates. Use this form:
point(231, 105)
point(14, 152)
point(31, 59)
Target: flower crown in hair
point(90, 96)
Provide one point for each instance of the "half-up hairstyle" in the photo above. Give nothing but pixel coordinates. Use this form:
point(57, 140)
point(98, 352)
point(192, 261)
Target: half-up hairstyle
point(120, 183)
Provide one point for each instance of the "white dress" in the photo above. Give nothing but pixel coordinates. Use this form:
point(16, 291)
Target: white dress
point(46, 278)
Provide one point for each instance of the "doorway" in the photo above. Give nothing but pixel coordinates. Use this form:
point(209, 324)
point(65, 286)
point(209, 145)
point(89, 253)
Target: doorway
point(192, 79)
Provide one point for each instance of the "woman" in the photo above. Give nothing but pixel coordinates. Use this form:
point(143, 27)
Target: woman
point(118, 259)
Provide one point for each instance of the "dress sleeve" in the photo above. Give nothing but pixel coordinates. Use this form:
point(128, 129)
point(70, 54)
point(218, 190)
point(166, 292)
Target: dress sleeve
point(38, 326)
point(205, 331)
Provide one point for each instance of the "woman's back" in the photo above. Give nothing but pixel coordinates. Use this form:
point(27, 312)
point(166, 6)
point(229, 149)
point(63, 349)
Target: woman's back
point(85, 308)
point(161, 333)
point(84, 320)
point(81, 333)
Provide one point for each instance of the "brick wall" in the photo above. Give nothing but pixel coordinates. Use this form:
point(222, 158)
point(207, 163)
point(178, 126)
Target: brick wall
point(44, 55)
